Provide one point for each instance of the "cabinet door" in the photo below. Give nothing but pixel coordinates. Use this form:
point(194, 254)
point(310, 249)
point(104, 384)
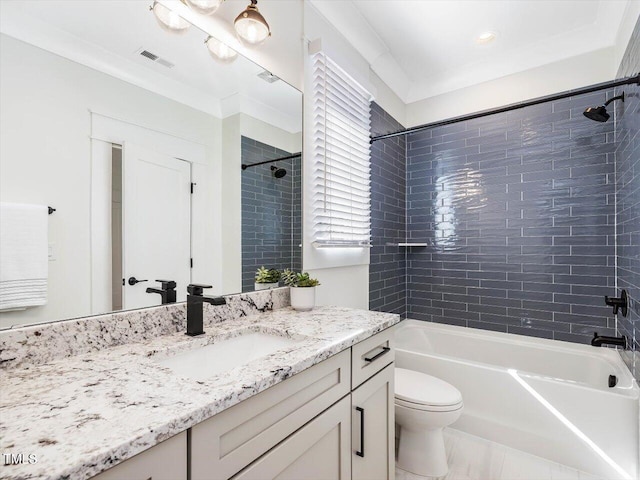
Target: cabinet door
point(373, 428)
point(165, 461)
point(318, 451)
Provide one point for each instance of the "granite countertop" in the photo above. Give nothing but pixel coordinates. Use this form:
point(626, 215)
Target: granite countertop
point(82, 414)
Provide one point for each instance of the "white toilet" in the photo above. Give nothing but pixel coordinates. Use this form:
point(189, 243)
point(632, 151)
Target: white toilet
point(424, 406)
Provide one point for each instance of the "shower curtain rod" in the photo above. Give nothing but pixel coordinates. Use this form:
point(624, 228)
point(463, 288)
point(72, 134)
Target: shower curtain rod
point(513, 106)
point(289, 157)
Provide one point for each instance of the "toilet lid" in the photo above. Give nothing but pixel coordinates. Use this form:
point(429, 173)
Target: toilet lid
point(418, 387)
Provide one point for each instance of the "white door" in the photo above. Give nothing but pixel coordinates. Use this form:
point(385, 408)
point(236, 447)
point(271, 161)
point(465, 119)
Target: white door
point(156, 236)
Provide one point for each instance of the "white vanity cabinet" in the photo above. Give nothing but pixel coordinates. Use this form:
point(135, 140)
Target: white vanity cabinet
point(353, 439)
point(334, 420)
point(165, 461)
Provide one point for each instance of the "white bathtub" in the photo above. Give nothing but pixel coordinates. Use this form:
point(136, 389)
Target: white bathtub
point(545, 397)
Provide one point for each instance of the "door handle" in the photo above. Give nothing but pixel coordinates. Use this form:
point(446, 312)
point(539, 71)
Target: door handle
point(133, 280)
point(360, 452)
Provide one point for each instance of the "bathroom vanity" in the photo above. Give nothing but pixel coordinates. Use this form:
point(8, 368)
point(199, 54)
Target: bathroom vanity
point(319, 406)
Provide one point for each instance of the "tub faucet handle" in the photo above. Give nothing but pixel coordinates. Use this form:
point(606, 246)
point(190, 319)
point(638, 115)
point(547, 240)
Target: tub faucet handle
point(618, 303)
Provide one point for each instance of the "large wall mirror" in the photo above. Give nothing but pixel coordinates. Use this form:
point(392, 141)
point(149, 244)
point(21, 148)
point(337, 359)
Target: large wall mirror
point(136, 136)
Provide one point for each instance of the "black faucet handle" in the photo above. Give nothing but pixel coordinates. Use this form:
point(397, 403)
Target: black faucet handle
point(197, 288)
point(167, 284)
point(618, 303)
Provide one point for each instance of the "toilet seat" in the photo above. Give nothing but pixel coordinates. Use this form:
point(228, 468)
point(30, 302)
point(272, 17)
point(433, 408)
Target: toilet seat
point(420, 391)
point(428, 408)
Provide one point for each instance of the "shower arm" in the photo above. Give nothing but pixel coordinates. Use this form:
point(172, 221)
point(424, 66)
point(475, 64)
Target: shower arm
point(619, 97)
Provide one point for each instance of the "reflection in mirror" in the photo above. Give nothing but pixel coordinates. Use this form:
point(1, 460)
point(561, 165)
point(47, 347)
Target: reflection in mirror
point(136, 137)
point(271, 212)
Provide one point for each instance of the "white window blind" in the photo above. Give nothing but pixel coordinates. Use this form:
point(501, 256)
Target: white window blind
point(341, 158)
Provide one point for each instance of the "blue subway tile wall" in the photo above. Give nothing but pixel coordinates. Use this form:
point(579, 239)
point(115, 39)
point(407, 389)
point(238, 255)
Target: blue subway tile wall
point(518, 211)
point(271, 212)
point(387, 270)
point(628, 198)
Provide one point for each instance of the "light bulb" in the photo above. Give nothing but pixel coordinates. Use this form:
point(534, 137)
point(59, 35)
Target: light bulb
point(169, 19)
point(251, 26)
point(206, 7)
point(221, 51)
point(486, 37)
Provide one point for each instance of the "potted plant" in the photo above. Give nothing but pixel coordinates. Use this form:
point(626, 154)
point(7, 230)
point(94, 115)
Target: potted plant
point(266, 278)
point(303, 289)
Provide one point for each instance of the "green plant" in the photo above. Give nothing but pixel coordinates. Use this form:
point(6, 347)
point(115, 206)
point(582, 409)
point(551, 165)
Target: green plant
point(293, 279)
point(264, 275)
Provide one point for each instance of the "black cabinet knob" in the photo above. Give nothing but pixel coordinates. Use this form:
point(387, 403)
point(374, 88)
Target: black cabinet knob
point(133, 280)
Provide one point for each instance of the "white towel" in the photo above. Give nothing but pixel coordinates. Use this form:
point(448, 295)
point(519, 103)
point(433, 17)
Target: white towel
point(24, 246)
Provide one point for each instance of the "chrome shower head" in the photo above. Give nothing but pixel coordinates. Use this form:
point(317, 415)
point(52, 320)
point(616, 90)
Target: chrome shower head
point(599, 114)
point(278, 172)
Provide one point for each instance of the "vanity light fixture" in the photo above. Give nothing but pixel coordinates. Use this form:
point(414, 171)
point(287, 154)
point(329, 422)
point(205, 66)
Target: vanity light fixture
point(221, 51)
point(486, 37)
point(168, 19)
point(251, 26)
point(206, 7)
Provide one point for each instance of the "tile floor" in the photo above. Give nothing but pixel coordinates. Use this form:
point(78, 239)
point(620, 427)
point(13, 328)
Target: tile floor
point(474, 458)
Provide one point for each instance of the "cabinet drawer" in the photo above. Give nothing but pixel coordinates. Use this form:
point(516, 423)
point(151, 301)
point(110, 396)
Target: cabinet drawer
point(165, 461)
point(371, 355)
point(232, 439)
point(319, 450)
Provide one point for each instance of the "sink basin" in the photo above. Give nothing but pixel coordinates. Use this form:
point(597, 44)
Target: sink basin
point(205, 362)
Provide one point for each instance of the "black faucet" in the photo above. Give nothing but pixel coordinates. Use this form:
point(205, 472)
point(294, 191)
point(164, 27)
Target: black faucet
point(167, 291)
point(195, 299)
point(599, 340)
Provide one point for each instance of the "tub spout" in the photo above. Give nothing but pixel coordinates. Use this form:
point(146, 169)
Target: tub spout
point(599, 340)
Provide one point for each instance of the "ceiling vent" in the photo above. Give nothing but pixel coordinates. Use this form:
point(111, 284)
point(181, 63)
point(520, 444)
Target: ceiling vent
point(268, 77)
point(155, 58)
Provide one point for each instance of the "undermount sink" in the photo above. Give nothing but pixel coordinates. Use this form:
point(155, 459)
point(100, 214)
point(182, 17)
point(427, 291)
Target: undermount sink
point(205, 362)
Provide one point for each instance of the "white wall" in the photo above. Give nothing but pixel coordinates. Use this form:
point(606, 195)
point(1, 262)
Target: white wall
point(629, 20)
point(344, 273)
point(580, 71)
point(583, 70)
point(45, 157)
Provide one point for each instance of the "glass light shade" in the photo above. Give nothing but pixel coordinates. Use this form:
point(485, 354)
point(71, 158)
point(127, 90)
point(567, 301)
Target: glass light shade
point(221, 51)
point(486, 37)
point(206, 7)
point(168, 19)
point(251, 26)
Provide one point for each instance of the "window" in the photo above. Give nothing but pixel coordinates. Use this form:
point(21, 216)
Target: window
point(341, 158)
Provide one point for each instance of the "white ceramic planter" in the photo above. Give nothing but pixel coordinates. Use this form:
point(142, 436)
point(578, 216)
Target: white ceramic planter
point(266, 286)
point(303, 298)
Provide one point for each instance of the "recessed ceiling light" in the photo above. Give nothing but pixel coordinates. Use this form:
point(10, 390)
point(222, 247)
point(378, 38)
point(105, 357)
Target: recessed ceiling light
point(486, 37)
